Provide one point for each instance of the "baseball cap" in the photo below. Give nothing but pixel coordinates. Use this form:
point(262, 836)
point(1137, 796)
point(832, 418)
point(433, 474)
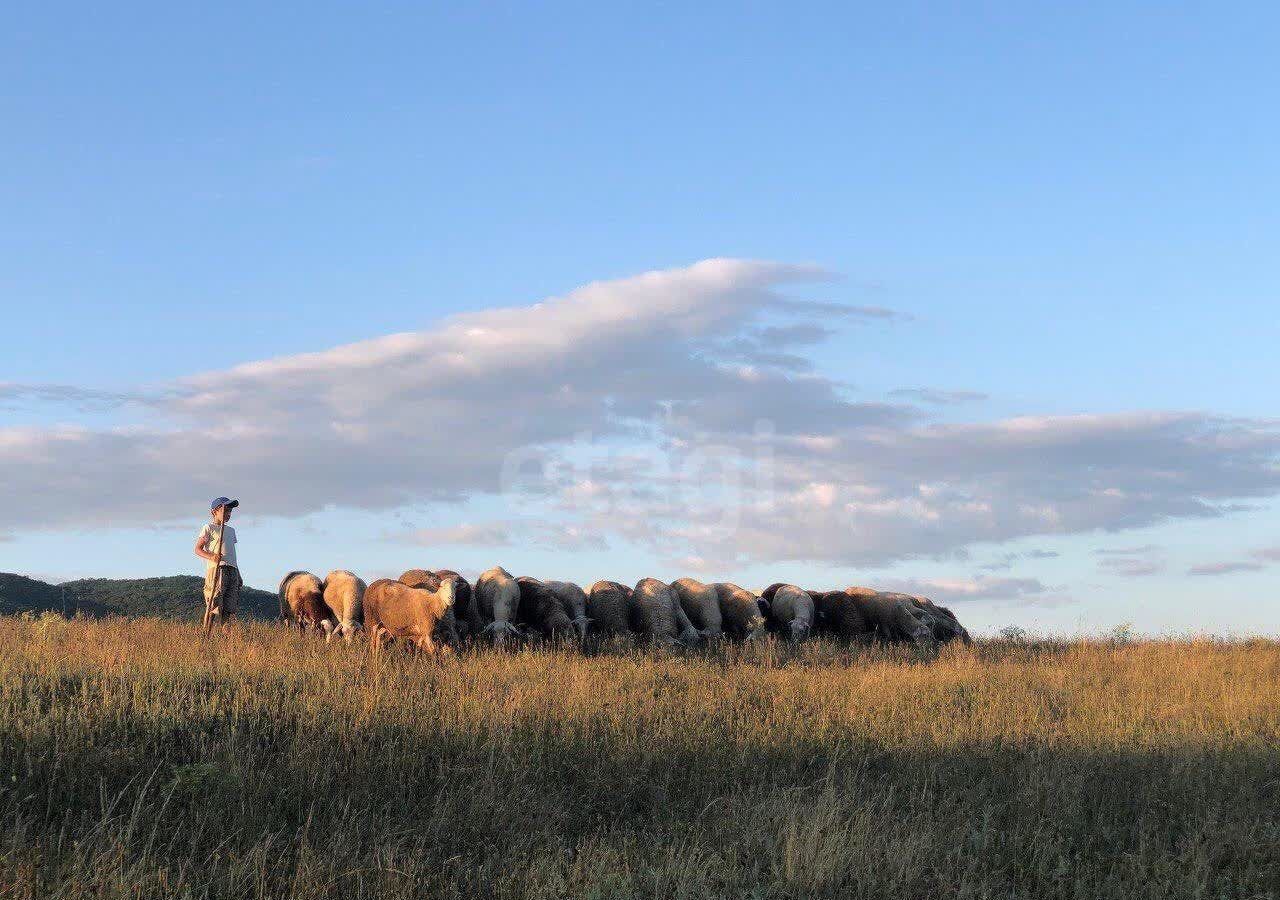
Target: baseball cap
point(223, 501)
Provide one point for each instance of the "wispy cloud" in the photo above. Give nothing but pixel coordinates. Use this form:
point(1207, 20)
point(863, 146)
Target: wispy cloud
point(1008, 560)
point(81, 399)
point(955, 590)
point(1132, 568)
point(1225, 568)
point(488, 534)
point(937, 397)
point(1131, 562)
point(504, 533)
point(1260, 558)
point(845, 310)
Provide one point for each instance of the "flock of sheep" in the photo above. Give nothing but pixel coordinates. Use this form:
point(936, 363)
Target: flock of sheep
point(439, 609)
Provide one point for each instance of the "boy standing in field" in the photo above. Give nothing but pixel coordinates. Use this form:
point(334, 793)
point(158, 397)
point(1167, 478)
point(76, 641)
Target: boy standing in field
point(216, 545)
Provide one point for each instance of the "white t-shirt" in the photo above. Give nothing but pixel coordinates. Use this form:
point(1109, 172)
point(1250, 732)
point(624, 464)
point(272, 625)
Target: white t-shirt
point(209, 535)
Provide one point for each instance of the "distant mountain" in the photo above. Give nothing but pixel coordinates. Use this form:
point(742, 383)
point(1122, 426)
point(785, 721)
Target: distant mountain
point(174, 597)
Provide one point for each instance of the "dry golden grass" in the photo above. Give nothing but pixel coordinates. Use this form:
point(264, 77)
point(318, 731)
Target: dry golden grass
point(139, 761)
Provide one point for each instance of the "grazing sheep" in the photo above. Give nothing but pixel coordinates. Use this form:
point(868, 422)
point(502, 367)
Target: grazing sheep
point(395, 610)
point(859, 612)
point(840, 615)
point(688, 634)
point(344, 595)
point(424, 579)
point(540, 609)
point(609, 607)
point(656, 612)
point(894, 617)
point(791, 611)
point(741, 612)
point(302, 602)
point(946, 627)
point(421, 578)
point(496, 600)
point(904, 618)
point(767, 594)
point(463, 607)
point(701, 605)
point(574, 600)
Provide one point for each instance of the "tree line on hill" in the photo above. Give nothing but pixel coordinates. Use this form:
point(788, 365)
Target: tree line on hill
point(174, 597)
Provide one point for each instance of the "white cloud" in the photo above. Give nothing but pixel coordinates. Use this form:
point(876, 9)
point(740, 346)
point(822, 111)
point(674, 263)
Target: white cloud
point(409, 417)
point(910, 490)
point(674, 409)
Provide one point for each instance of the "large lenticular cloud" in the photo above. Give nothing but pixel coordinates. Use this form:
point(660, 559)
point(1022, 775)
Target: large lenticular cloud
point(657, 367)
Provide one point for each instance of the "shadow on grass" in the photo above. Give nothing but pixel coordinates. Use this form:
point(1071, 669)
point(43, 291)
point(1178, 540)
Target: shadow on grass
point(225, 806)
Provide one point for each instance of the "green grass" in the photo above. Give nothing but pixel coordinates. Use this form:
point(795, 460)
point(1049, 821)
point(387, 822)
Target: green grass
point(138, 761)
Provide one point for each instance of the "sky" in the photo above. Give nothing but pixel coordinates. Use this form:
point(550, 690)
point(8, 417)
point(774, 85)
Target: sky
point(974, 300)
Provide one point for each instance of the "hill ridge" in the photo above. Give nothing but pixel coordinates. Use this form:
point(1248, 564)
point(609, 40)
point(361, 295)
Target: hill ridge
point(166, 596)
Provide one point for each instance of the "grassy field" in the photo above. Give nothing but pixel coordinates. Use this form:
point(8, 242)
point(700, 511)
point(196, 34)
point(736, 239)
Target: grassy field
point(138, 761)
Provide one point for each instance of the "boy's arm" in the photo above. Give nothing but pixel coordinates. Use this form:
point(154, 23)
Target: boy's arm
point(201, 543)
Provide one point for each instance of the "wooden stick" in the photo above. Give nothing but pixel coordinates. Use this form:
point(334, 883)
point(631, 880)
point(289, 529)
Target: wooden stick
point(217, 574)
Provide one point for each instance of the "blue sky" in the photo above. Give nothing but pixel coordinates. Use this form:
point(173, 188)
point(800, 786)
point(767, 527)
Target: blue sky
point(1073, 210)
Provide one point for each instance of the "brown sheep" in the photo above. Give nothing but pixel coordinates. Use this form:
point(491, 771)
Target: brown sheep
point(701, 605)
point(302, 602)
point(656, 612)
point(424, 579)
point(420, 578)
point(741, 615)
point(344, 595)
point(395, 610)
point(496, 601)
point(609, 607)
